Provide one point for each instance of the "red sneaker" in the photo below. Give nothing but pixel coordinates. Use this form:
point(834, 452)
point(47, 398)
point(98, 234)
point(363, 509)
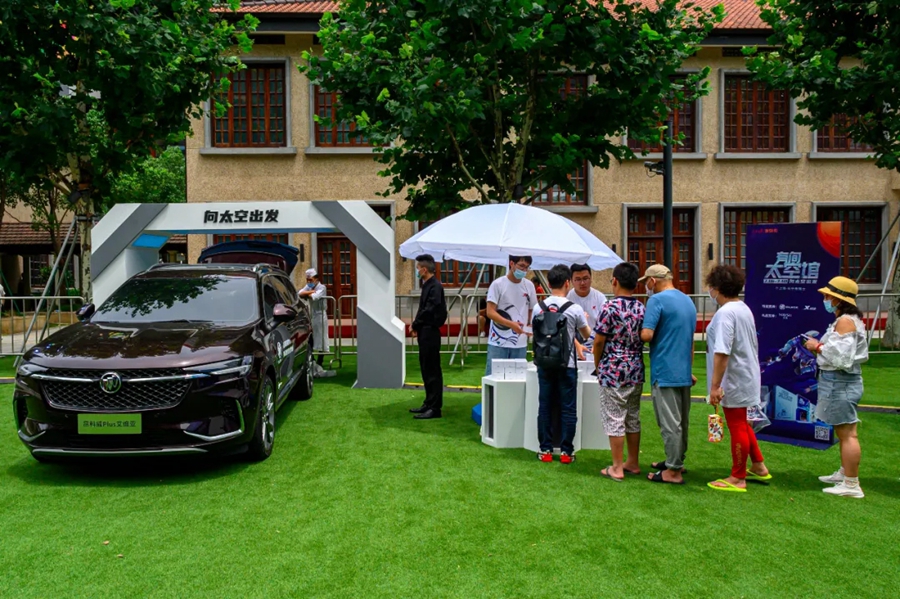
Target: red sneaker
point(566, 458)
point(545, 456)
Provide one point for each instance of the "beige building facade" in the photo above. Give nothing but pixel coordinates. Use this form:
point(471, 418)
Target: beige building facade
point(724, 178)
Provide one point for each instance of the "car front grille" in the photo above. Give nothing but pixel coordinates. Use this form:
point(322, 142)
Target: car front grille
point(150, 395)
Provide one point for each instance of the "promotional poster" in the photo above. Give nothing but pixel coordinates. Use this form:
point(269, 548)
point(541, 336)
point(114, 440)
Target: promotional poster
point(786, 265)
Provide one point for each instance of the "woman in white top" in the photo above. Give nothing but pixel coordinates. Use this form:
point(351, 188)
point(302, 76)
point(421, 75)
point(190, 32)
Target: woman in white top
point(840, 354)
point(315, 292)
point(733, 377)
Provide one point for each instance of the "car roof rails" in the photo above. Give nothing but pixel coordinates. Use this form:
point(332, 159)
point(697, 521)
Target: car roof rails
point(259, 267)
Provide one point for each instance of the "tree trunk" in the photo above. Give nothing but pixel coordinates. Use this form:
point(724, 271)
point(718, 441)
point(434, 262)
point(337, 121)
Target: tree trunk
point(891, 338)
point(85, 261)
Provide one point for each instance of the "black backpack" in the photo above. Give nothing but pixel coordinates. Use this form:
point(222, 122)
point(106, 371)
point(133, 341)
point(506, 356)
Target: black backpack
point(552, 344)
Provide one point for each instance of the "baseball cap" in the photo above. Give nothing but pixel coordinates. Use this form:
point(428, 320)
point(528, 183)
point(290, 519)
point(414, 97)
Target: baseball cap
point(657, 271)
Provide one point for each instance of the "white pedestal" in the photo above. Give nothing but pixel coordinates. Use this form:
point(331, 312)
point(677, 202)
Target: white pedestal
point(531, 413)
point(502, 412)
point(593, 436)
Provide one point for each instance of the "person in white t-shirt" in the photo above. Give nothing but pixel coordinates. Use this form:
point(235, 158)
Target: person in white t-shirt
point(510, 300)
point(590, 300)
point(733, 376)
point(560, 384)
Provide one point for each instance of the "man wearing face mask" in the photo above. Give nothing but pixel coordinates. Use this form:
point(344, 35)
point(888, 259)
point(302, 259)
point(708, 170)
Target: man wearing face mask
point(427, 327)
point(315, 292)
point(669, 324)
point(510, 300)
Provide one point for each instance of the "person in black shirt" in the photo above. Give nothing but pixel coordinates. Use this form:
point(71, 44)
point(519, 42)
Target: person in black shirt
point(431, 316)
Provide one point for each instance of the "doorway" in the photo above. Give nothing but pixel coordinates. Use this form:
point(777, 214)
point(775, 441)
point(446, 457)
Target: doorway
point(337, 270)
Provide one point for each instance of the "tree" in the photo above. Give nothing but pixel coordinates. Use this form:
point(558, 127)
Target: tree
point(840, 58)
point(158, 179)
point(464, 95)
point(88, 88)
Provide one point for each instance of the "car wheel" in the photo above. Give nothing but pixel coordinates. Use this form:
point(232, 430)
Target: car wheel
point(304, 388)
point(264, 435)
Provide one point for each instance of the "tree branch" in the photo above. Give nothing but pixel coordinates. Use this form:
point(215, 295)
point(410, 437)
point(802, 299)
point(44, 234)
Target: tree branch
point(537, 195)
point(462, 164)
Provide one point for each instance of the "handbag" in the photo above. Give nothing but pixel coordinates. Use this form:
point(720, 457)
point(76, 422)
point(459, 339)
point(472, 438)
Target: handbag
point(715, 428)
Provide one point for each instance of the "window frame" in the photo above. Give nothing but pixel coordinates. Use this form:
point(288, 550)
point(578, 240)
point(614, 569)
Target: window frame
point(725, 206)
point(815, 154)
point(588, 204)
point(722, 154)
point(208, 149)
point(695, 153)
point(314, 148)
point(884, 252)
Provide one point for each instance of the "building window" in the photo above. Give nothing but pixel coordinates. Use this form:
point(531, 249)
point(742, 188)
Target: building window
point(553, 195)
point(645, 243)
point(455, 274)
point(756, 119)
point(277, 237)
point(341, 134)
point(735, 225)
point(860, 233)
point(684, 122)
point(256, 117)
point(834, 138)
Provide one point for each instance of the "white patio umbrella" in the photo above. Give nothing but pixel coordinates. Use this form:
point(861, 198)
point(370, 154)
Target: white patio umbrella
point(490, 233)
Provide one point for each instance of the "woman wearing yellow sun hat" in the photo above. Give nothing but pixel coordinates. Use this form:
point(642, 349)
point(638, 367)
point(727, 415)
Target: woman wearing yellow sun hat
point(840, 354)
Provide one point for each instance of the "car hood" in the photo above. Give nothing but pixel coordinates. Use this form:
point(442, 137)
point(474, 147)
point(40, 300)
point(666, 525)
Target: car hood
point(157, 345)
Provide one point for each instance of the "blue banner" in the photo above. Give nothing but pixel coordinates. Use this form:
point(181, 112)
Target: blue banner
point(786, 265)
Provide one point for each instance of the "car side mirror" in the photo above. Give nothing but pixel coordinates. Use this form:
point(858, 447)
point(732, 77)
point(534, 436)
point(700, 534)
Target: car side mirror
point(85, 312)
point(283, 313)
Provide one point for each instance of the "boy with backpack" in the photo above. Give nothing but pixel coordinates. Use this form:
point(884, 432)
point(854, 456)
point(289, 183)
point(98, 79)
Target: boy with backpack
point(555, 322)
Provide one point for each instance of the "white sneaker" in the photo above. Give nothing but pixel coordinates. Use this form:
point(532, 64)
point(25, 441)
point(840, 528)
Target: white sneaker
point(844, 491)
point(833, 479)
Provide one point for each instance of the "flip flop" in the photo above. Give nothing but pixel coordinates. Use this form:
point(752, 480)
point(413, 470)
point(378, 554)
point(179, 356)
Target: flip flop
point(657, 477)
point(759, 479)
point(728, 488)
point(634, 472)
point(662, 466)
point(605, 472)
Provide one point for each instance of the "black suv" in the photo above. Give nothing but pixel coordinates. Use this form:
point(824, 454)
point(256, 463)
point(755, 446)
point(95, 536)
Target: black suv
point(179, 360)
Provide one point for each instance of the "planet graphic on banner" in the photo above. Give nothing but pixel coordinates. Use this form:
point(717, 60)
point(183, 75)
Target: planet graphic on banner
point(829, 235)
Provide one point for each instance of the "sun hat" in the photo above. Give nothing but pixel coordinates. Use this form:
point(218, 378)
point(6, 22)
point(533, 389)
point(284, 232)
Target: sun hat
point(657, 271)
point(842, 288)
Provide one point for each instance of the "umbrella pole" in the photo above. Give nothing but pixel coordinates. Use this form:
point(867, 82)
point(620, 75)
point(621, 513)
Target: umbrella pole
point(464, 311)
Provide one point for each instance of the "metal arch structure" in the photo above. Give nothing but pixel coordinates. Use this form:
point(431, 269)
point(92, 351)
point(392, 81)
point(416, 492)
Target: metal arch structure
point(127, 241)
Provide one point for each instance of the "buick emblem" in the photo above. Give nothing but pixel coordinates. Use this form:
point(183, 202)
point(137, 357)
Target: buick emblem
point(111, 382)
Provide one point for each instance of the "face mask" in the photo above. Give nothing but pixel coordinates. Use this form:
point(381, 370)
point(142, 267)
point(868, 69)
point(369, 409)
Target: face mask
point(310, 285)
point(418, 274)
point(711, 296)
point(519, 274)
point(829, 307)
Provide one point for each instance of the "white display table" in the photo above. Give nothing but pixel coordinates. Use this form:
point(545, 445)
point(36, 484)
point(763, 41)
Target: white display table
point(502, 412)
point(509, 410)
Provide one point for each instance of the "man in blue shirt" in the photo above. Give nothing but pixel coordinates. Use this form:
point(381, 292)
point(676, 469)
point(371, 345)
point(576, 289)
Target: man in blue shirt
point(669, 324)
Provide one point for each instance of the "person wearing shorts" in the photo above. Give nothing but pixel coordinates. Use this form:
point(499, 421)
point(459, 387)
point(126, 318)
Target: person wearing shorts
point(840, 355)
point(618, 358)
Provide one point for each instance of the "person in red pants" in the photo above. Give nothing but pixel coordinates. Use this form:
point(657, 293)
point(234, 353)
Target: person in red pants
point(733, 376)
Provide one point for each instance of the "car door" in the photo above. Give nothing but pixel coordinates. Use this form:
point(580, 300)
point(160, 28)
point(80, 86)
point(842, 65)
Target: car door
point(300, 327)
point(279, 337)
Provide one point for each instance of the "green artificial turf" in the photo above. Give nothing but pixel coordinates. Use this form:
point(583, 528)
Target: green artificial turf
point(361, 501)
point(6, 366)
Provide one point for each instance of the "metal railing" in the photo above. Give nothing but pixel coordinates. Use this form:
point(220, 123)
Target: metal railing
point(26, 320)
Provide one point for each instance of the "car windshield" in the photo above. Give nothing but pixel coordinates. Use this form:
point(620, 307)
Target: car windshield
point(221, 299)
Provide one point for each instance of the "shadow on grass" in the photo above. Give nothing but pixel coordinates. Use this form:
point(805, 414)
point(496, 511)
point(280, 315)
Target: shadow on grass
point(455, 422)
point(137, 472)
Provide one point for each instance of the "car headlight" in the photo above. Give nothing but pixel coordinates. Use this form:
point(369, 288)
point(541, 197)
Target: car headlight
point(26, 369)
point(237, 366)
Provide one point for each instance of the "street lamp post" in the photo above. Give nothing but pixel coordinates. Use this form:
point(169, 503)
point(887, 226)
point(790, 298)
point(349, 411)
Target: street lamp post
point(664, 168)
point(667, 195)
